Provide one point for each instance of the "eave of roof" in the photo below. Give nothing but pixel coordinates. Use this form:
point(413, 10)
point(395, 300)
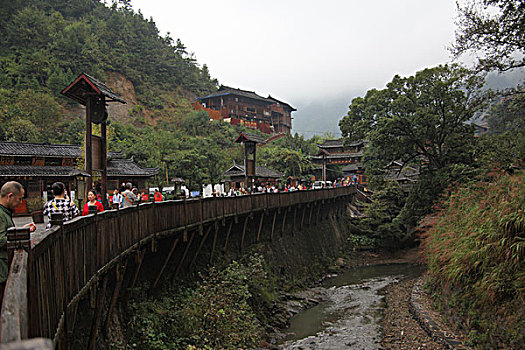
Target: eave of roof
point(249, 137)
point(79, 90)
point(42, 150)
point(41, 171)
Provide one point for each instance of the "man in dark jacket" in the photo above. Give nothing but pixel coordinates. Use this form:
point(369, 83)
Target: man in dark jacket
point(11, 195)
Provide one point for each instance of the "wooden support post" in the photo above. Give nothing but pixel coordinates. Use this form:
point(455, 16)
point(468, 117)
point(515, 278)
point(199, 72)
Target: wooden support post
point(318, 210)
point(228, 235)
point(244, 230)
point(302, 218)
point(215, 235)
point(157, 277)
point(260, 227)
point(273, 224)
point(120, 270)
point(294, 214)
point(154, 244)
point(203, 240)
point(98, 314)
point(185, 253)
point(70, 326)
point(310, 216)
point(284, 223)
point(138, 262)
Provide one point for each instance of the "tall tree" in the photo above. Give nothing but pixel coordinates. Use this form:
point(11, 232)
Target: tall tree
point(495, 31)
point(416, 119)
point(419, 120)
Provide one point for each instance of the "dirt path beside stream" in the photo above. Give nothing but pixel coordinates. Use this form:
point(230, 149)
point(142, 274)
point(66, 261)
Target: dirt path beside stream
point(399, 329)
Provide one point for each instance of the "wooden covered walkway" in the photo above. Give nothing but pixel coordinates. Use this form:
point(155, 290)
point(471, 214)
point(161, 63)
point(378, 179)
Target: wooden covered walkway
point(50, 274)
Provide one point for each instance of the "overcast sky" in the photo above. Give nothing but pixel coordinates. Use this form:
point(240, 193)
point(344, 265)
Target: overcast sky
point(314, 55)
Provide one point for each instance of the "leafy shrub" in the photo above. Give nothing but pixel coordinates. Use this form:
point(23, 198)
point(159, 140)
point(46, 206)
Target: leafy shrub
point(214, 314)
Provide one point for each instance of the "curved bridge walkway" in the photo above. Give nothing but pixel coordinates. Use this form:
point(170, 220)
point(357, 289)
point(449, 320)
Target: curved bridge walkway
point(52, 271)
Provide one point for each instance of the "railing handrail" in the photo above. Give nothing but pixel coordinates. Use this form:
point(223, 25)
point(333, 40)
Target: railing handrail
point(64, 262)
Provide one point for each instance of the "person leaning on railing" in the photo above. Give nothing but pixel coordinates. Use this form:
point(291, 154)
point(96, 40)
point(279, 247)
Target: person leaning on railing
point(11, 195)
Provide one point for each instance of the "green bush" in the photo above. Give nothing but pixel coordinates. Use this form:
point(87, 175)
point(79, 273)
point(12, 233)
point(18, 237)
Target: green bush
point(216, 313)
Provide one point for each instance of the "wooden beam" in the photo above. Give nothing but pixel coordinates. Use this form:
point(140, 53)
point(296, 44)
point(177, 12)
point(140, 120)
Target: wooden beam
point(310, 216)
point(273, 224)
point(185, 252)
point(201, 244)
point(215, 235)
point(283, 223)
point(244, 230)
point(98, 314)
point(170, 253)
point(260, 227)
point(228, 235)
point(294, 214)
point(302, 218)
point(120, 270)
point(138, 262)
point(71, 323)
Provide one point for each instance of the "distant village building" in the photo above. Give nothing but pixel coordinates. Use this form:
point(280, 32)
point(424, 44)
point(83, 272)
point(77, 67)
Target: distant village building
point(405, 175)
point(38, 166)
point(334, 152)
point(235, 175)
point(240, 107)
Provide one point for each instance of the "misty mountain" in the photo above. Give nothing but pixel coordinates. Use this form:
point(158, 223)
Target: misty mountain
point(318, 117)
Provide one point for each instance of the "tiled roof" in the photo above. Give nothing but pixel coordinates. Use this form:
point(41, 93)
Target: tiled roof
point(352, 167)
point(260, 171)
point(85, 85)
point(248, 136)
point(117, 166)
point(340, 143)
point(41, 171)
point(106, 91)
point(127, 167)
point(226, 90)
point(36, 149)
point(338, 155)
point(331, 143)
point(280, 102)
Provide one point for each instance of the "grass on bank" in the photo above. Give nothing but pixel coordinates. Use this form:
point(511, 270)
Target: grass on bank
point(476, 252)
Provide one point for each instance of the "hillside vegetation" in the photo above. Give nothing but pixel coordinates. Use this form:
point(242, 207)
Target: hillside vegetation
point(46, 44)
point(476, 259)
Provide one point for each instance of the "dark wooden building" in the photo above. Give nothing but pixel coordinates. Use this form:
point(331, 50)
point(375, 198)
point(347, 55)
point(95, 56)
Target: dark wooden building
point(240, 107)
point(38, 166)
point(335, 152)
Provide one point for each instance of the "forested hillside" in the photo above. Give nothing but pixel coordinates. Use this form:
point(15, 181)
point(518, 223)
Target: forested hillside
point(46, 44)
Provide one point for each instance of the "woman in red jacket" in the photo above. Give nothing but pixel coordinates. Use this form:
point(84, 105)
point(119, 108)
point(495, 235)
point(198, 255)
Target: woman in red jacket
point(92, 200)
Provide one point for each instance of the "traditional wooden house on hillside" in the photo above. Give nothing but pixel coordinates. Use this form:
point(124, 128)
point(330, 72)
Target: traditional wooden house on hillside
point(334, 152)
point(240, 107)
point(38, 166)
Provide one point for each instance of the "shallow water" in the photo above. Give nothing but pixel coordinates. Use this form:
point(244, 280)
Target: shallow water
point(351, 315)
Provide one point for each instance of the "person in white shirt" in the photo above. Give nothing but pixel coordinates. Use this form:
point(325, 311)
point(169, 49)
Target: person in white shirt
point(117, 198)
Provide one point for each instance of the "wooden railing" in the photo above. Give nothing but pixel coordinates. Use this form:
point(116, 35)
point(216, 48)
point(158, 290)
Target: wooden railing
point(66, 261)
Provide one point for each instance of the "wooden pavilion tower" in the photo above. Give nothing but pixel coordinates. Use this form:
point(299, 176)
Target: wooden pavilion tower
point(94, 94)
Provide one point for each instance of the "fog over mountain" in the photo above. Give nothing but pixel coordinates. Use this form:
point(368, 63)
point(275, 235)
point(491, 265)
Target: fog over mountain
point(320, 116)
point(316, 117)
